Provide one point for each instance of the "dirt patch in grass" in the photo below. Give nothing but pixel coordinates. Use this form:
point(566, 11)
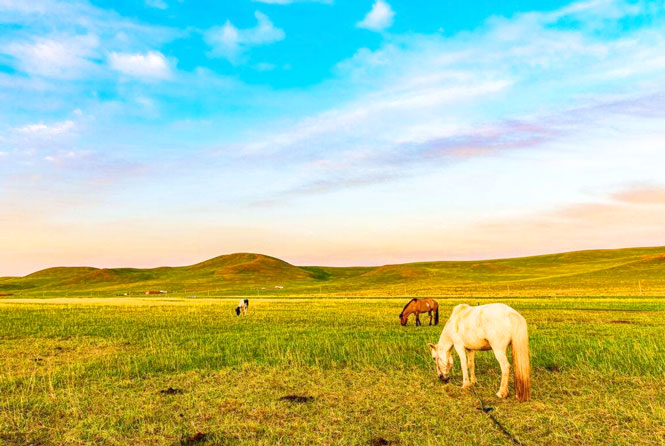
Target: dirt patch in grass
point(621, 322)
point(380, 441)
point(20, 440)
point(23, 356)
point(297, 398)
point(171, 391)
point(552, 368)
point(197, 438)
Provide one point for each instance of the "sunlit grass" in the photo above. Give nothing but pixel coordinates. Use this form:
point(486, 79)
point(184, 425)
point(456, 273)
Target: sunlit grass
point(90, 373)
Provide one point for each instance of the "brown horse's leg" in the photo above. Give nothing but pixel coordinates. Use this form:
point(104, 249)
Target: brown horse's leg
point(418, 324)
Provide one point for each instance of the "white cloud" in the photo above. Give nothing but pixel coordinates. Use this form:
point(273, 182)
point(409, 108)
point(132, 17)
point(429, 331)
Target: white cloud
point(44, 130)
point(23, 6)
point(150, 65)
point(159, 4)
point(387, 117)
point(230, 42)
point(513, 88)
point(65, 57)
point(265, 66)
point(61, 158)
point(379, 18)
point(69, 40)
point(288, 2)
point(34, 138)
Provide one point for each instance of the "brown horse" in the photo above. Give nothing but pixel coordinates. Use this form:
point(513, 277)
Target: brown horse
point(418, 306)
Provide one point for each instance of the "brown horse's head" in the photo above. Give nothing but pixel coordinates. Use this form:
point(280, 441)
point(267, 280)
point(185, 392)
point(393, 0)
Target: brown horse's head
point(443, 360)
point(404, 315)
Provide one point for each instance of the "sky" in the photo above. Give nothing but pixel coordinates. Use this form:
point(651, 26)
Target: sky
point(332, 132)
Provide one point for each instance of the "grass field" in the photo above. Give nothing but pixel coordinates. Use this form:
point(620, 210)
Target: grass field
point(79, 372)
point(615, 272)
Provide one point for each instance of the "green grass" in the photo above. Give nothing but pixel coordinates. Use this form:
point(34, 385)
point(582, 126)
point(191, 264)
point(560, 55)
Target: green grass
point(74, 373)
point(620, 272)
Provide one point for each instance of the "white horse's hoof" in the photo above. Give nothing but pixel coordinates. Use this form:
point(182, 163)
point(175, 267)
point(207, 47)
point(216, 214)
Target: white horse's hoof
point(501, 395)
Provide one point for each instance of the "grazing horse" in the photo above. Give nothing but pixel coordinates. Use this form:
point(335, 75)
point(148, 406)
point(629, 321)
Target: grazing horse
point(242, 307)
point(486, 327)
point(418, 306)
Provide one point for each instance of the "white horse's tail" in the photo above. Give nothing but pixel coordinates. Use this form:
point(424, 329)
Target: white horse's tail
point(521, 363)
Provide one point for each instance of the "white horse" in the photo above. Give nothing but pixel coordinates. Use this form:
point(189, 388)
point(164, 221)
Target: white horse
point(485, 327)
point(242, 307)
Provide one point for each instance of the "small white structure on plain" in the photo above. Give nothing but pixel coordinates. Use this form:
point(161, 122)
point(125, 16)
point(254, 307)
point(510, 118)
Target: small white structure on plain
point(279, 287)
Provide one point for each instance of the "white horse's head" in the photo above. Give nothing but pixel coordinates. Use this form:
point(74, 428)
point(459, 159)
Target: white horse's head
point(443, 360)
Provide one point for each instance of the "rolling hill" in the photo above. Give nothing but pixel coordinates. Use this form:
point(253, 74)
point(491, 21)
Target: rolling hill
point(630, 271)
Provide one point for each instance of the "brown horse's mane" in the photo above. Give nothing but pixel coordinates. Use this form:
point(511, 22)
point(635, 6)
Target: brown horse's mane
point(407, 304)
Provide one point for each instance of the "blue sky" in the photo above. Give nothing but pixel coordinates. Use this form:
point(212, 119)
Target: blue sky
point(150, 132)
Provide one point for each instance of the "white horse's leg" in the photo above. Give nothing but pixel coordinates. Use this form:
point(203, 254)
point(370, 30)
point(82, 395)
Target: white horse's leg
point(505, 371)
point(472, 366)
point(461, 352)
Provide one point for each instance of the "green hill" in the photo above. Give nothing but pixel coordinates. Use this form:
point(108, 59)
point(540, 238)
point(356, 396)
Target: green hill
point(631, 271)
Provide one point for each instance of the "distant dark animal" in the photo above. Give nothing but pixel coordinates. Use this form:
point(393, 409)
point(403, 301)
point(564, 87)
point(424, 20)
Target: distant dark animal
point(417, 306)
point(242, 307)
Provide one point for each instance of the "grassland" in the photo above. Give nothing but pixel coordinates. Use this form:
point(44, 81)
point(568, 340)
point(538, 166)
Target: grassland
point(79, 372)
point(622, 272)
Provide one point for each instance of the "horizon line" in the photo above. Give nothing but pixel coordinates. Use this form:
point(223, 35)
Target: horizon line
point(339, 266)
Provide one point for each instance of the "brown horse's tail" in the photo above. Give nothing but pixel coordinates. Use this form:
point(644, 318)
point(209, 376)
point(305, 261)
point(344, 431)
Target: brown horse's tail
point(436, 315)
point(521, 363)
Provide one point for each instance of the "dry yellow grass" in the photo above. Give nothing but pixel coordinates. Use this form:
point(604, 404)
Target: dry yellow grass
point(78, 372)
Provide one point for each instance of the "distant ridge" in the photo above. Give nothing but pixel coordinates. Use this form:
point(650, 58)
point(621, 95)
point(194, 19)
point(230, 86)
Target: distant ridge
point(605, 272)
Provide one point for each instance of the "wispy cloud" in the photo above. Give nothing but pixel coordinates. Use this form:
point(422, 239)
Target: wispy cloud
point(36, 6)
point(150, 65)
point(612, 220)
point(71, 40)
point(628, 205)
point(69, 18)
point(61, 158)
point(649, 194)
point(289, 2)
point(379, 17)
point(48, 130)
point(68, 57)
point(426, 101)
point(330, 184)
point(38, 139)
point(231, 43)
point(159, 4)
